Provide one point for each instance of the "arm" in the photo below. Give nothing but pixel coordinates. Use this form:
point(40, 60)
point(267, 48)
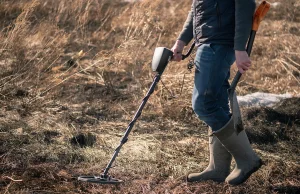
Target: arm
point(244, 10)
point(184, 38)
point(186, 34)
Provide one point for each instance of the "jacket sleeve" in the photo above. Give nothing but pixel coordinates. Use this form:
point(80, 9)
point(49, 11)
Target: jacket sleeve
point(244, 10)
point(186, 34)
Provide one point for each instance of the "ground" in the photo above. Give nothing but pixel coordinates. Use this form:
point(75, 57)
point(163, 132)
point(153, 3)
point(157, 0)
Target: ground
point(73, 76)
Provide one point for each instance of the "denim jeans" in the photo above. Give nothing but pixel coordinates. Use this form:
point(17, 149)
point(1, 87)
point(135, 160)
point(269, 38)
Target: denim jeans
point(210, 97)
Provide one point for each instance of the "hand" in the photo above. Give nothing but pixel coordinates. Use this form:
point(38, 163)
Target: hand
point(177, 50)
point(243, 61)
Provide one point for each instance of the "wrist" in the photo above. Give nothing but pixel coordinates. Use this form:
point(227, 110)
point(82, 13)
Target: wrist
point(239, 51)
point(180, 43)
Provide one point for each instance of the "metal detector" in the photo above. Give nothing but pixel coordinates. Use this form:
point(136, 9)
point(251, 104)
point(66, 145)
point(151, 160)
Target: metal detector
point(160, 60)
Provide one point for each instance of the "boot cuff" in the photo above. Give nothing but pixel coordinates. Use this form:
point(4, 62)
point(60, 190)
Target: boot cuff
point(226, 130)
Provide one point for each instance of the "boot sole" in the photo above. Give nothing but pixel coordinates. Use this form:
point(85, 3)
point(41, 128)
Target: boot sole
point(247, 175)
point(202, 180)
point(196, 179)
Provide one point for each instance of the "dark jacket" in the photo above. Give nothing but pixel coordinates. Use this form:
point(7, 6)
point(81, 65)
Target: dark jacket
point(219, 21)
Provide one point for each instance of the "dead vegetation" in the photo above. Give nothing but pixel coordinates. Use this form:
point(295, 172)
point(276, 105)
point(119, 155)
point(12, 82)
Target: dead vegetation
point(73, 73)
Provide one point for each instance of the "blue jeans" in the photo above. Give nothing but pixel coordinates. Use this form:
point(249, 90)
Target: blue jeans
point(210, 97)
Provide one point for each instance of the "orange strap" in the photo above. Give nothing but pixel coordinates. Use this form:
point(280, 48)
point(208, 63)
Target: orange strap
point(260, 13)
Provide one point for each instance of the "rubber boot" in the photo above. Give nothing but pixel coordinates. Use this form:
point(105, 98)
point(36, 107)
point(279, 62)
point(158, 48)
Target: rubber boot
point(247, 162)
point(219, 163)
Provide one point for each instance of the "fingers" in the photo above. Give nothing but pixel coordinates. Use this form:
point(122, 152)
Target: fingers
point(177, 56)
point(243, 67)
point(241, 70)
point(243, 61)
point(177, 50)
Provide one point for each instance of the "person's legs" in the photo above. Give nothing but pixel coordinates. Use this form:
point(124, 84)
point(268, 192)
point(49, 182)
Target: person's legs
point(210, 103)
point(219, 163)
point(247, 162)
point(210, 97)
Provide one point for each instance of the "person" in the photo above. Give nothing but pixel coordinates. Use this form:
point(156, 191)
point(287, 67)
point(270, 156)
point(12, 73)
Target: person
point(220, 29)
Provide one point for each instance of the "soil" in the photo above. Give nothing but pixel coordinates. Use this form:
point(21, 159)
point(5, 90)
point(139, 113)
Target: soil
point(274, 133)
point(270, 125)
point(73, 75)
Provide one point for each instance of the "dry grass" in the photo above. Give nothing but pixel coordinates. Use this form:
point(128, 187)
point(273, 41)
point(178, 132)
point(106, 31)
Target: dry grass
point(79, 67)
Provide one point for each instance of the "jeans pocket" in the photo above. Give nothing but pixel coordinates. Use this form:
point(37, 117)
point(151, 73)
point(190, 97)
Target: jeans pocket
point(211, 46)
point(228, 55)
point(205, 56)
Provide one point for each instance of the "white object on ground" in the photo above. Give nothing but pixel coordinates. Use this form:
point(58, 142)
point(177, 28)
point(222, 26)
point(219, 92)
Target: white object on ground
point(275, 4)
point(261, 99)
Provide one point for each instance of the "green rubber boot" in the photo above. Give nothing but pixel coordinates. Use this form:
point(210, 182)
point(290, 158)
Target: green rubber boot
point(219, 163)
point(247, 162)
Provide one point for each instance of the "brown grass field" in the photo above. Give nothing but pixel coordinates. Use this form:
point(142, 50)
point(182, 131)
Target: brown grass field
point(80, 68)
